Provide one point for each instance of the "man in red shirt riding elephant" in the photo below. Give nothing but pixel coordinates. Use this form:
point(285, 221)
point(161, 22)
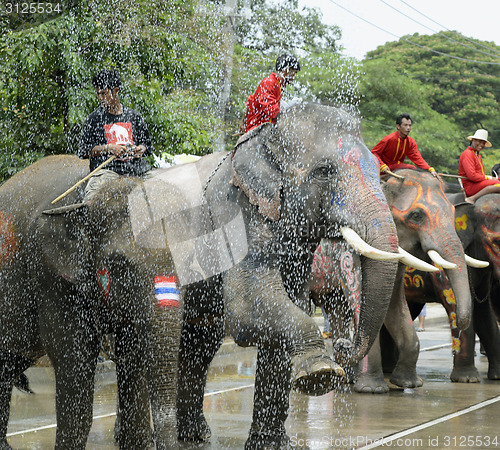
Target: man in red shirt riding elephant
point(471, 166)
point(392, 150)
point(264, 105)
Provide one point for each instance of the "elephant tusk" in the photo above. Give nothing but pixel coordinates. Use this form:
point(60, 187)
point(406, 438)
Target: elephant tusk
point(365, 249)
point(440, 261)
point(415, 262)
point(477, 263)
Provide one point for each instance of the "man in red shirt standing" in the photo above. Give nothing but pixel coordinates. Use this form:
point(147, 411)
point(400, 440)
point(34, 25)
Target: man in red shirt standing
point(264, 105)
point(392, 150)
point(476, 182)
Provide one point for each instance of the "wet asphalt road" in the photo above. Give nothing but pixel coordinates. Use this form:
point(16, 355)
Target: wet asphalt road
point(439, 415)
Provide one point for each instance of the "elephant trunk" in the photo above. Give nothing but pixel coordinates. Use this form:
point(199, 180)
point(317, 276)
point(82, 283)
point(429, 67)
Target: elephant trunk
point(162, 373)
point(377, 282)
point(449, 247)
point(460, 285)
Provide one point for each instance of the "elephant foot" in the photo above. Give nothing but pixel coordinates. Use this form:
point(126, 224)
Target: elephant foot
point(316, 374)
point(406, 378)
point(369, 384)
point(465, 375)
point(262, 440)
point(494, 372)
point(342, 351)
point(193, 428)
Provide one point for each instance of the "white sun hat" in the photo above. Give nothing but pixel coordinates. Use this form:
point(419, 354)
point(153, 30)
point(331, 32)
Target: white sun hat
point(482, 135)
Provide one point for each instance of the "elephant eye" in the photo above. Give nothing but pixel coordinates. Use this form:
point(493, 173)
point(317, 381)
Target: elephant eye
point(416, 216)
point(324, 172)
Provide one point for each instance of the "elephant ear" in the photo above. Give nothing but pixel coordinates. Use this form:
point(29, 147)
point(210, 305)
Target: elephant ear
point(256, 171)
point(63, 242)
point(465, 223)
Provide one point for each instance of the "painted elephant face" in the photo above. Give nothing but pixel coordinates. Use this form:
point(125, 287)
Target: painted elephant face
point(422, 213)
point(480, 223)
point(311, 176)
point(316, 157)
point(424, 218)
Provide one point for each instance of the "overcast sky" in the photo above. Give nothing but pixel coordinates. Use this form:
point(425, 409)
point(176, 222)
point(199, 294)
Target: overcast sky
point(478, 19)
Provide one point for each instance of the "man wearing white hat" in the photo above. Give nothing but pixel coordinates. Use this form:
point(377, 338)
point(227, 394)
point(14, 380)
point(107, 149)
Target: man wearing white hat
point(476, 182)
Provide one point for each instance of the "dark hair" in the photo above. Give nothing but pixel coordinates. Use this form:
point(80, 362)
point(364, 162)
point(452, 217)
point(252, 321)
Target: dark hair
point(285, 61)
point(400, 118)
point(106, 79)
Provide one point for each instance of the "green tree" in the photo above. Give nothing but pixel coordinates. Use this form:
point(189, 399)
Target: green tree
point(276, 28)
point(462, 76)
point(164, 51)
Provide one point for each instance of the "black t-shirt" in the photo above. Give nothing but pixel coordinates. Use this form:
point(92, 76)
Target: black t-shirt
point(101, 128)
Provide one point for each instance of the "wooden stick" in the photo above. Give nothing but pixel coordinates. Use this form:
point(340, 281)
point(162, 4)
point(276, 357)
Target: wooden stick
point(395, 175)
point(83, 180)
point(452, 176)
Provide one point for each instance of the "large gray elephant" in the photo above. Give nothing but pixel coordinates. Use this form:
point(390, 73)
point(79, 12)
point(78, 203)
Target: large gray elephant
point(425, 223)
point(307, 177)
point(67, 278)
point(238, 230)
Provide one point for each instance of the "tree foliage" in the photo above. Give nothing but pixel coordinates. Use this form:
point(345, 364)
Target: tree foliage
point(441, 84)
point(163, 50)
point(277, 28)
point(171, 54)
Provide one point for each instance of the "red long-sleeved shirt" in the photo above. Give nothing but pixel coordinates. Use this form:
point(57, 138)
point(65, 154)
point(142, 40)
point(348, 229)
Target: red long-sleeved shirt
point(392, 150)
point(471, 165)
point(264, 105)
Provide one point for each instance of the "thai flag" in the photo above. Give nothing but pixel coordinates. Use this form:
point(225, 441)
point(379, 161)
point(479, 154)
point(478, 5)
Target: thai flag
point(166, 291)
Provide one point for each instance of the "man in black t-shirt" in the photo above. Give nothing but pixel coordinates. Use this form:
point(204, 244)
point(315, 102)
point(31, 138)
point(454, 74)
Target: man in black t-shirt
point(113, 129)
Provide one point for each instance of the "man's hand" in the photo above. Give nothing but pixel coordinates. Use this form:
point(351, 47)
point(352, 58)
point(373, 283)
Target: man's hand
point(436, 175)
point(126, 151)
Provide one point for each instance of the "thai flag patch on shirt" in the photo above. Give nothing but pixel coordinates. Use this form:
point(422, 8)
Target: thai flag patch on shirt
point(166, 291)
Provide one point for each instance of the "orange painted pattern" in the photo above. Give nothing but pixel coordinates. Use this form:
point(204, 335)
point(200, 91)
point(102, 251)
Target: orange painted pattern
point(9, 241)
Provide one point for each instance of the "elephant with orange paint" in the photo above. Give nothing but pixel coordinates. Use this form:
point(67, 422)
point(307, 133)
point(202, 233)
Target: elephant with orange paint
point(424, 218)
point(478, 227)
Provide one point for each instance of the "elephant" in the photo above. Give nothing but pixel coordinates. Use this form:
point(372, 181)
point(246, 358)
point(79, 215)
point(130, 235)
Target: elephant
point(306, 177)
point(72, 274)
point(232, 234)
point(478, 227)
point(425, 224)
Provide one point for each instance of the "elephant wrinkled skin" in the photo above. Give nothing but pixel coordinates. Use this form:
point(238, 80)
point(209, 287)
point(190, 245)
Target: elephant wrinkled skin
point(293, 183)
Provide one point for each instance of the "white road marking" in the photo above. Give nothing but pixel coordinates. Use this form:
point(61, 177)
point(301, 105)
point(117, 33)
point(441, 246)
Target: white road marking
point(103, 416)
point(383, 441)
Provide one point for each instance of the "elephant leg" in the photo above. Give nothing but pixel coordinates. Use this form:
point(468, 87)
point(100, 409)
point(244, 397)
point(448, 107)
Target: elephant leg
point(464, 369)
point(271, 400)
point(74, 399)
point(259, 311)
point(5, 396)
point(134, 431)
point(370, 379)
point(199, 344)
point(11, 366)
point(72, 343)
point(487, 329)
point(400, 326)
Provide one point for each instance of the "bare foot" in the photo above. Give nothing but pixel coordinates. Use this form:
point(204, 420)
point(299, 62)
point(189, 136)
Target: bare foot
point(468, 200)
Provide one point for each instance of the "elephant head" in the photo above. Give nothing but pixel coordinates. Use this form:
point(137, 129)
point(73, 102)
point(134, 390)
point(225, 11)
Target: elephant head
point(310, 177)
point(424, 219)
point(478, 227)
